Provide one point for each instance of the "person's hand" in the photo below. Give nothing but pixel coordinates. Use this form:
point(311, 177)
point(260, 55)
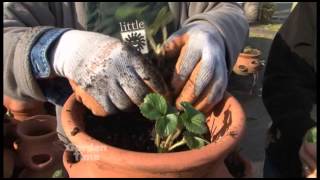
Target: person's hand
point(308, 157)
point(105, 74)
point(201, 74)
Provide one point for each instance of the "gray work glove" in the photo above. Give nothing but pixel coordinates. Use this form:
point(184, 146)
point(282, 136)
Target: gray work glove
point(105, 74)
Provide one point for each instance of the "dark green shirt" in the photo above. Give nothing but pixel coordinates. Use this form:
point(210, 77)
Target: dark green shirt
point(131, 22)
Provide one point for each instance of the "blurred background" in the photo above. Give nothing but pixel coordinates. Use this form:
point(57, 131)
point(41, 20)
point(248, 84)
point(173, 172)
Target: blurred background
point(265, 19)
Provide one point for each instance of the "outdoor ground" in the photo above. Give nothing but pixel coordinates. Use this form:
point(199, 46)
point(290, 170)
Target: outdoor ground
point(258, 120)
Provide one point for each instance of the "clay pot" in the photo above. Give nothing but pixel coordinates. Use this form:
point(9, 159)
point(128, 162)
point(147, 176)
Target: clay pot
point(238, 160)
point(311, 150)
point(22, 110)
point(8, 126)
point(9, 132)
point(226, 124)
point(37, 142)
point(248, 167)
point(8, 163)
point(247, 64)
point(43, 173)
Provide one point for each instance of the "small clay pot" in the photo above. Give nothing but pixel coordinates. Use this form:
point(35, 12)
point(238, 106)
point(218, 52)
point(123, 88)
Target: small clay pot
point(8, 163)
point(226, 124)
point(37, 142)
point(247, 64)
point(9, 132)
point(22, 110)
point(43, 173)
point(8, 126)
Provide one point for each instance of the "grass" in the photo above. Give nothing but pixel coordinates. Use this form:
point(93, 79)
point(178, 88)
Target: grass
point(264, 30)
point(272, 27)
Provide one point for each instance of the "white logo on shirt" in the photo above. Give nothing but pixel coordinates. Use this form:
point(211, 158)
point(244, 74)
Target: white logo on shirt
point(134, 34)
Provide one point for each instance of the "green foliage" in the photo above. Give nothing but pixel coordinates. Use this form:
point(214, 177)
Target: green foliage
point(166, 125)
point(154, 106)
point(192, 119)
point(193, 141)
point(163, 18)
point(312, 135)
point(267, 11)
point(170, 123)
point(58, 174)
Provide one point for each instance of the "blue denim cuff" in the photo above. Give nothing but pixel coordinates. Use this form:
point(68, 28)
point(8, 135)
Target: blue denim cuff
point(40, 64)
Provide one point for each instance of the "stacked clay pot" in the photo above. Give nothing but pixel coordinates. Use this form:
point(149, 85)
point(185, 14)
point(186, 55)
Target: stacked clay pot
point(38, 146)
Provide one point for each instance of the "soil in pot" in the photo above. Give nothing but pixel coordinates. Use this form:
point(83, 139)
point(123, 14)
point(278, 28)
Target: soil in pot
point(126, 130)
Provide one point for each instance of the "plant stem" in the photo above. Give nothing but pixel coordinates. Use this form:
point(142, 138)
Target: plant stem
point(164, 33)
point(157, 140)
point(152, 42)
point(179, 143)
point(176, 134)
point(167, 141)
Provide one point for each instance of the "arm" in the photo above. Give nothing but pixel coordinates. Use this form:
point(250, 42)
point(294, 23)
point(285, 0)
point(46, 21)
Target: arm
point(24, 24)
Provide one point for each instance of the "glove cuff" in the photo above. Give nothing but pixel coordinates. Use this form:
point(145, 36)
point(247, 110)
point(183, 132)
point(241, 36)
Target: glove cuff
point(38, 55)
point(73, 47)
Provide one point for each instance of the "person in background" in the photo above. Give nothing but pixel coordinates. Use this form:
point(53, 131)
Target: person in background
point(289, 93)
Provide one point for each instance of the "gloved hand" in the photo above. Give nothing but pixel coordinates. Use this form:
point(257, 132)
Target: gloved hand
point(105, 74)
point(200, 75)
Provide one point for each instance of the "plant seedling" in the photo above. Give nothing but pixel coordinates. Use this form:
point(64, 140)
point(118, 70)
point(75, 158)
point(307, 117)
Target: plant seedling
point(171, 123)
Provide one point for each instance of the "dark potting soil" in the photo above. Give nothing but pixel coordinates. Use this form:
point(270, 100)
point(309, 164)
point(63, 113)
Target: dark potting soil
point(126, 130)
point(130, 131)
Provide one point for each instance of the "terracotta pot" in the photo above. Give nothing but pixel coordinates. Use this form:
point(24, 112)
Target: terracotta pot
point(22, 110)
point(9, 132)
point(247, 64)
point(248, 167)
point(226, 124)
point(239, 160)
point(43, 173)
point(8, 126)
point(37, 142)
point(309, 148)
point(8, 163)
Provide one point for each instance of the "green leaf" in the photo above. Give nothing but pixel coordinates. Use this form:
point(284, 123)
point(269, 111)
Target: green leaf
point(193, 120)
point(58, 174)
point(125, 12)
point(163, 18)
point(312, 135)
point(166, 125)
point(194, 142)
point(154, 106)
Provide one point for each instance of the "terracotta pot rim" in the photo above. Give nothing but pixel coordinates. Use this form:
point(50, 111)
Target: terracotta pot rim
point(154, 160)
point(47, 118)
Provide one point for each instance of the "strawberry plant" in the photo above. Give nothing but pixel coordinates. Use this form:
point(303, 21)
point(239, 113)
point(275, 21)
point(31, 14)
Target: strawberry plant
point(174, 128)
